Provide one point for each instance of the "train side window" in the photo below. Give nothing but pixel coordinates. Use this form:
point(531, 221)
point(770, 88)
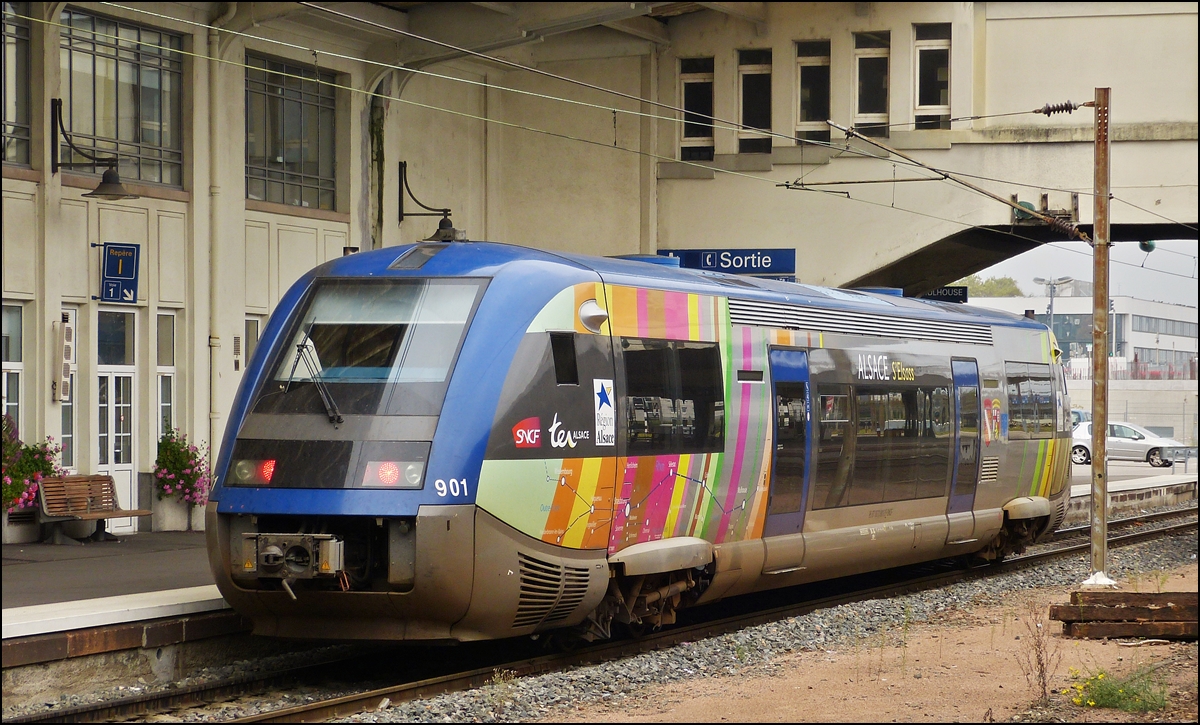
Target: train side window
point(936, 441)
point(1042, 420)
point(1017, 377)
point(835, 447)
point(674, 397)
point(1031, 404)
point(702, 396)
point(871, 458)
point(650, 404)
point(566, 370)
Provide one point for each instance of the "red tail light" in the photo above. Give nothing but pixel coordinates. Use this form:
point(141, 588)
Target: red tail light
point(266, 469)
point(389, 473)
point(398, 474)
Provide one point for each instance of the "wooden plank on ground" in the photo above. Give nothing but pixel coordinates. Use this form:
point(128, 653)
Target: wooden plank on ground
point(1114, 630)
point(1134, 599)
point(1170, 612)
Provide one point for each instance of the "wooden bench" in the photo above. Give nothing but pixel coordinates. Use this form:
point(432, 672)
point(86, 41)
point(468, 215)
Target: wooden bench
point(80, 498)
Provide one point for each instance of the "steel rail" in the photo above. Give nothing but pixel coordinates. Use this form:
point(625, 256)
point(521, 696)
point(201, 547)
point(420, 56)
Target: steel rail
point(181, 697)
point(110, 710)
point(1084, 530)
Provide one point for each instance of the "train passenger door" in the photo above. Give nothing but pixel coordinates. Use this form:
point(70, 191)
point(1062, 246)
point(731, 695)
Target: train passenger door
point(789, 462)
point(965, 474)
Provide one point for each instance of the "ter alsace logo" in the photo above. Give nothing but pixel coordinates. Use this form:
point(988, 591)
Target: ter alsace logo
point(528, 433)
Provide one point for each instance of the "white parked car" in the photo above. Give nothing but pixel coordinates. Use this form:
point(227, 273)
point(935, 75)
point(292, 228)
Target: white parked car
point(1126, 442)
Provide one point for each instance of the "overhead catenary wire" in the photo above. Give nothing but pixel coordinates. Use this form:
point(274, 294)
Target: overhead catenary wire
point(1047, 109)
point(557, 135)
point(1061, 245)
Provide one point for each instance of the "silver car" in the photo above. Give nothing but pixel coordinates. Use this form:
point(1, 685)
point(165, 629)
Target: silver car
point(1126, 442)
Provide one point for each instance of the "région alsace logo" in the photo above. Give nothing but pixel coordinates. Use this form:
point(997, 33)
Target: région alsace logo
point(606, 417)
point(528, 433)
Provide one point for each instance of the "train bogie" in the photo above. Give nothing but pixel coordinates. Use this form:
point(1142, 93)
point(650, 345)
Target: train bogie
point(484, 441)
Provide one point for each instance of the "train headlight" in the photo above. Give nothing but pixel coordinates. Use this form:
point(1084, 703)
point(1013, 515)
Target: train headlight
point(247, 472)
point(243, 471)
point(413, 473)
point(393, 474)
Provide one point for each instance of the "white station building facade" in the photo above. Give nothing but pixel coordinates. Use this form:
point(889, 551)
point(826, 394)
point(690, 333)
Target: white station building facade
point(263, 138)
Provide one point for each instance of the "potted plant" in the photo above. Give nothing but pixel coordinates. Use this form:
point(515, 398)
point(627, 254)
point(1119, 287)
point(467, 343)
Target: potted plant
point(181, 473)
point(24, 468)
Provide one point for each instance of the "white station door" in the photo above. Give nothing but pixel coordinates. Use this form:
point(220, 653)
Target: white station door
point(115, 412)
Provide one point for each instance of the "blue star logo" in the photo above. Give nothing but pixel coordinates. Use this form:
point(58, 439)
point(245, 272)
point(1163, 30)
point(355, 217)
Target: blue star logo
point(603, 395)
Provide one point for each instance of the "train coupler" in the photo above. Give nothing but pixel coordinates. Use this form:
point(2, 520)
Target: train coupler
point(292, 556)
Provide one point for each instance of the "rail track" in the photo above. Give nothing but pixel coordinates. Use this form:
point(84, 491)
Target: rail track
point(1084, 531)
point(196, 695)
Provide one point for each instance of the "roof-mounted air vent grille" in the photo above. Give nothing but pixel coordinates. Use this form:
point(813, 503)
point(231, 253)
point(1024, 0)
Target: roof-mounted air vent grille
point(417, 256)
point(772, 314)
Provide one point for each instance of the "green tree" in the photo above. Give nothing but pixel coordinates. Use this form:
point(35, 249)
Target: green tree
point(990, 287)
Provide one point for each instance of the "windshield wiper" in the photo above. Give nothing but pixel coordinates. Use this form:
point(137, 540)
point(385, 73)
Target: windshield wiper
point(305, 353)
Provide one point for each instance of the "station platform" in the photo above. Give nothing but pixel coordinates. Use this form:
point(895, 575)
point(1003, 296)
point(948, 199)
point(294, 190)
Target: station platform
point(141, 576)
point(148, 576)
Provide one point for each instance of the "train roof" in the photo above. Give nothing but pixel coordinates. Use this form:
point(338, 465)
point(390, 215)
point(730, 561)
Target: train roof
point(491, 259)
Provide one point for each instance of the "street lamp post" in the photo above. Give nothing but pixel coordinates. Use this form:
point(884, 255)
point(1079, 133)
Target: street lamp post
point(1053, 285)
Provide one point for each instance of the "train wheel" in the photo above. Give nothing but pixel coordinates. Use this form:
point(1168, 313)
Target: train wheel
point(1079, 455)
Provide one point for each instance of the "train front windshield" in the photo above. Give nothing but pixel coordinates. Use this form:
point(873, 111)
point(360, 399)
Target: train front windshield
point(371, 348)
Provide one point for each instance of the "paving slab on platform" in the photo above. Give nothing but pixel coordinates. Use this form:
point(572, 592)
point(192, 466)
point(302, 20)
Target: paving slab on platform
point(63, 616)
point(145, 562)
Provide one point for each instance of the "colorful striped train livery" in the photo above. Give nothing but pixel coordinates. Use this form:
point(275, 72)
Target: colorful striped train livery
point(471, 440)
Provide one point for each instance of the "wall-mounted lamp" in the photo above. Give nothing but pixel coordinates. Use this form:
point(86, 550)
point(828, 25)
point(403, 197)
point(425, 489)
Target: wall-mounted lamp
point(110, 187)
point(445, 231)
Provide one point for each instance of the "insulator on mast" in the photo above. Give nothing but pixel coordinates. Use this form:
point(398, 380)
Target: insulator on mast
point(1051, 108)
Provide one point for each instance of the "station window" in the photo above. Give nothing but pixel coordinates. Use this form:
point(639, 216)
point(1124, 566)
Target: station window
point(123, 90)
point(290, 133)
point(13, 362)
point(114, 338)
point(71, 361)
point(166, 373)
point(674, 397)
point(16, 75)
point(871, 60)
point(696, 90)
point(754, 101)
point(932, 78)
point(812, 97)
point(253, 325)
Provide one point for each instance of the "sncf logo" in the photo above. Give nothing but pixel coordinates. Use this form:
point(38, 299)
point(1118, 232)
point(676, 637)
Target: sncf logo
point(528, 433)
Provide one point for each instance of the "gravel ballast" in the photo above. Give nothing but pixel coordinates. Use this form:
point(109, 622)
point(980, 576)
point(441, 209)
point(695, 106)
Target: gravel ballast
point(528, 698)
point(533, 698)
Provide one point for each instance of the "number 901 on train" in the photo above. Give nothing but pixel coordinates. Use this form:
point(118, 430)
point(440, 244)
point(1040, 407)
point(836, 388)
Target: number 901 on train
point(467, 440)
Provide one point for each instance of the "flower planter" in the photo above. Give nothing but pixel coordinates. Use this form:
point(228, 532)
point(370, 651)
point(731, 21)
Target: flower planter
point(172, 514)
point(180, 482)
point(21, 527)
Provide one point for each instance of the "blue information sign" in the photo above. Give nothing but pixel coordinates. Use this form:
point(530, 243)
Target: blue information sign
point(774, 263)
point(119, 273)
